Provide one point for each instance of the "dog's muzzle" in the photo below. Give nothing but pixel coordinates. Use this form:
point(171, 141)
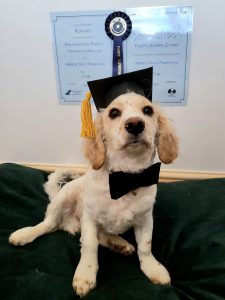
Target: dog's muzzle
point(134, 126)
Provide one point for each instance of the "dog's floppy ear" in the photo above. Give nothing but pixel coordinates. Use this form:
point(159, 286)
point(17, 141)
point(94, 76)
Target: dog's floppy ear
point(167, 140)
point(94, 148)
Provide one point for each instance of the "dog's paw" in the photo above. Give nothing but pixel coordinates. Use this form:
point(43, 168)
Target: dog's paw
point(82, 286)
point(120, 245)
point(126, 249)
point(155, 272)
point(160, 275)
point(22, 236)
point(84, 279)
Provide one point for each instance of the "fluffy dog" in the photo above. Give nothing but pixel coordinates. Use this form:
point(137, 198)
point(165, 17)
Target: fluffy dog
point(129, 132)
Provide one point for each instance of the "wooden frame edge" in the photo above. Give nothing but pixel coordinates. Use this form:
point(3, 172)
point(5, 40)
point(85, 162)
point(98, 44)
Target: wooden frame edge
point(165, 175)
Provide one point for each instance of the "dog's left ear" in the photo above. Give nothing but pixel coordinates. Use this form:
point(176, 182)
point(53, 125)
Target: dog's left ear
point(94, 148)
point(166, 140)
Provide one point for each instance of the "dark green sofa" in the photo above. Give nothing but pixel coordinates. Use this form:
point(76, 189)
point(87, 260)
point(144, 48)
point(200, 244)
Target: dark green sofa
point(189, 238)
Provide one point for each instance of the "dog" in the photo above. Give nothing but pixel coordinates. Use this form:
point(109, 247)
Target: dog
point(129, 134)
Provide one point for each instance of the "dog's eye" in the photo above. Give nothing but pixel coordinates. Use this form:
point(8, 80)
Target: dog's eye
point(114, 113)
point(147, 110)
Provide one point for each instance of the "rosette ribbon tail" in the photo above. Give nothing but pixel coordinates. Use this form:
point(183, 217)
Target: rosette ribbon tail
point(118, 68)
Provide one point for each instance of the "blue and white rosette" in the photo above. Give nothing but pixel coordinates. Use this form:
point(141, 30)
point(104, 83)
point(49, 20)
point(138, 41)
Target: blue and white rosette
point(118, 27)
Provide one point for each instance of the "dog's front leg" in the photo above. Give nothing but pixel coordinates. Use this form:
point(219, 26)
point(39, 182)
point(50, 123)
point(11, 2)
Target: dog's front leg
point(85, 275)
point(155, 271)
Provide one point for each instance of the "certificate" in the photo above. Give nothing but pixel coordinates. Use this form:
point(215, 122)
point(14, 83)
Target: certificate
point(160, 38)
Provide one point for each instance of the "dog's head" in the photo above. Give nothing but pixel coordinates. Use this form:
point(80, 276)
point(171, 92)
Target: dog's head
point(132, 125)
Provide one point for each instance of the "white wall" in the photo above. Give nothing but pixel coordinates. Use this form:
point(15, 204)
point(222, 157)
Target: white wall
point(35, 128)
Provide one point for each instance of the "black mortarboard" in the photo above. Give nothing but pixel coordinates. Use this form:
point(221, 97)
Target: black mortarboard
point(105, 90)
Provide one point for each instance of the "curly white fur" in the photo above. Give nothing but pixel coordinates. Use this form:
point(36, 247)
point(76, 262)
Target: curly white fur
point(85, 203)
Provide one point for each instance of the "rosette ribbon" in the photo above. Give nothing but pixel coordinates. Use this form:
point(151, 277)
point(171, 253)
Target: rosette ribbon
point(118, 27)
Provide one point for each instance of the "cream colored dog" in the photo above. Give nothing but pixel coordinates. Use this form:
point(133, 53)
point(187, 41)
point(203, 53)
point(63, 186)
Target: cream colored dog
point(84, 204)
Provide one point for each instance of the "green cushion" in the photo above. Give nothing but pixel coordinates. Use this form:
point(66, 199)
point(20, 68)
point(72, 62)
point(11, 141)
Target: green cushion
point(188, 238)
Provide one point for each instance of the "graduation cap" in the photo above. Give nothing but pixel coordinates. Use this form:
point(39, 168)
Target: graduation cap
point(104, 91)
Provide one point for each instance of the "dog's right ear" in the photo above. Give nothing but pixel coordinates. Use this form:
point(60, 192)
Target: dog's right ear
point(167, 140)
point(94, 149)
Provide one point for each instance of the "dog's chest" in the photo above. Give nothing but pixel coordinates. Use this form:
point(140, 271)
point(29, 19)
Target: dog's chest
point(117, 216)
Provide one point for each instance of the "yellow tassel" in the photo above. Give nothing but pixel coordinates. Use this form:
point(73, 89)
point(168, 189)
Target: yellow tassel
point(88, 128)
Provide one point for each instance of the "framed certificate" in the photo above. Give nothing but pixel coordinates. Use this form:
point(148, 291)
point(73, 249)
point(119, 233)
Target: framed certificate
point(158, 37)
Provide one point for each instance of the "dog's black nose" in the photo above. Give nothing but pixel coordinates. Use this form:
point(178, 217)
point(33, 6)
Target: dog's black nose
point(134, 125)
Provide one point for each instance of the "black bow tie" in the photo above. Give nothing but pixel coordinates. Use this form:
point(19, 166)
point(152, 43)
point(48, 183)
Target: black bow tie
point(121, 183)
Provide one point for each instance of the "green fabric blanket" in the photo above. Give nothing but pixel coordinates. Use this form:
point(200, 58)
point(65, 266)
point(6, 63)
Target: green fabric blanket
point(188, 238)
